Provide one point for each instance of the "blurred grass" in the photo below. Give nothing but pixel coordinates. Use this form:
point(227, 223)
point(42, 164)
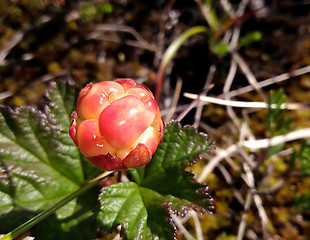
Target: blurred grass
point(68, 46)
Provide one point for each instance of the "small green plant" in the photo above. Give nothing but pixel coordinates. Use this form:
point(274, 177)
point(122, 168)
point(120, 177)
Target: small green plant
point(89, 11)
point(275, 119)
point(278, 123)
point(301, 157)
point(249, 38)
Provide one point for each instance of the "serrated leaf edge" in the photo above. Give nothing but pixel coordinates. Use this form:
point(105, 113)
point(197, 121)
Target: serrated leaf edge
point(205, 135)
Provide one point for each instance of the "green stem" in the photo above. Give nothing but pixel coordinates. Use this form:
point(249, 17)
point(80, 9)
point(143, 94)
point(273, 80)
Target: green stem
point(41, 216)
point(171, 51)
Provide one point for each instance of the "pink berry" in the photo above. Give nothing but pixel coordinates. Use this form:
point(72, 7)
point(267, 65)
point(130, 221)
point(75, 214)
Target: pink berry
point(117, 124)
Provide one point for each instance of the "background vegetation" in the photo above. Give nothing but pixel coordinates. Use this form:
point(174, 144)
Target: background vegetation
point(251, 54)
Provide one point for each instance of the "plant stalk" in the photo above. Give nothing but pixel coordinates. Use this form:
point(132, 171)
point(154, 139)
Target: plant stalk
point(171, 51)
point(41, 216)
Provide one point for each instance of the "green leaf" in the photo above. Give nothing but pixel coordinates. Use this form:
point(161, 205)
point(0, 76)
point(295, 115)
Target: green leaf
point(275, 119)
point(39, 162)
point(78, 226)
point(162, 187)
point(220, 49)
point(139, 211)
point(165, 173)
point(105, 8)
point(137, 174)
point(303, 156)
point(255, 36)
point(88, 12)
point(275, 149)
point(302, 203)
